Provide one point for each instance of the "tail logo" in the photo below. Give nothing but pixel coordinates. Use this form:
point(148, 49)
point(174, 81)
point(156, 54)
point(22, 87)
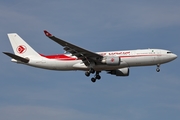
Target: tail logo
point(21, 49)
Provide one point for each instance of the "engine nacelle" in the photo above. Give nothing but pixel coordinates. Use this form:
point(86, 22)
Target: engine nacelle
point(120, 72)
point(111, 60)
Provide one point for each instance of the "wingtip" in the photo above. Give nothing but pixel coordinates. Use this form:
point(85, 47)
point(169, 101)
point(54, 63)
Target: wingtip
point(47, 33)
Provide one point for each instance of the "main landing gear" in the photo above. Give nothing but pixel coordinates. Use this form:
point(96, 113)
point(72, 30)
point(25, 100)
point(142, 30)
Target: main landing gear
point(158, 68)
point(96, 76)
point(87, 73)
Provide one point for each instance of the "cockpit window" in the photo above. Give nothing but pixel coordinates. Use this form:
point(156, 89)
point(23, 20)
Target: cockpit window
point(169, 52)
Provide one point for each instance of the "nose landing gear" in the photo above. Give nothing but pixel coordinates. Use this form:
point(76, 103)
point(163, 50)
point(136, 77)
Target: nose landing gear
point(158, 68)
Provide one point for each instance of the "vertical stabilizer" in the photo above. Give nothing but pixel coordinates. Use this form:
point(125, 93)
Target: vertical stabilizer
point(20, 47)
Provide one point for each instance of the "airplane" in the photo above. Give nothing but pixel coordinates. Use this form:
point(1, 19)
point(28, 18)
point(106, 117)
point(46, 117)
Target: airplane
point(77, 58)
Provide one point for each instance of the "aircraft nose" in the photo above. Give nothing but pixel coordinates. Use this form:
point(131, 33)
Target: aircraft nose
point(174, 56)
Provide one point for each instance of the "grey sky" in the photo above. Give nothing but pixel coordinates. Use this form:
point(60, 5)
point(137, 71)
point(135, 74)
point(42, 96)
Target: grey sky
point(31, 93)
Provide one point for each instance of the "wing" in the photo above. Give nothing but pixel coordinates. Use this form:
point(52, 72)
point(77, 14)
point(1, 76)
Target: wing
point(86, 56)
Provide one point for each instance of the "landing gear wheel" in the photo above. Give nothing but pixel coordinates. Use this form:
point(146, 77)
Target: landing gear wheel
point(98, 77)
point(93, 80)
point(158, 70)
point(87, 73)
point(92, 71)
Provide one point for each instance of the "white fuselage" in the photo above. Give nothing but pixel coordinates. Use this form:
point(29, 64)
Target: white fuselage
point(113, 62)
point(129, 58)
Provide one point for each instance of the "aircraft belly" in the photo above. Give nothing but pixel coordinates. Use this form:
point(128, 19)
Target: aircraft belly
point(52, 64)
point(82, 66)
point(64, 65)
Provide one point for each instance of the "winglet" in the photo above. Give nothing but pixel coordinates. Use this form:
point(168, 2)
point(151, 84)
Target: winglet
point(47, 33)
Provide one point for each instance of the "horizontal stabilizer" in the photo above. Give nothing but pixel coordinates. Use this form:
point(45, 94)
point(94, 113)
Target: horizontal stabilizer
point(18, 58)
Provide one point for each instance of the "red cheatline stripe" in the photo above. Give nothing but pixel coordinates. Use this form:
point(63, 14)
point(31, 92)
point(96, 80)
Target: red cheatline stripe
point(64, 57)
point(59, 57)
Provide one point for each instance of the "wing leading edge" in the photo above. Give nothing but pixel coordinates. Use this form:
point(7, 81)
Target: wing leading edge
point(86, 56)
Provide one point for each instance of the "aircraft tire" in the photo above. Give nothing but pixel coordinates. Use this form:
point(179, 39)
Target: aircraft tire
point(92, 71)
point(158, 70)
point(87, 74)
point(98, 77)
point(93, 80)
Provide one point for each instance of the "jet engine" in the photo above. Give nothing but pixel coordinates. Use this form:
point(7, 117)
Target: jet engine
point(120, 72)
point(111, 60)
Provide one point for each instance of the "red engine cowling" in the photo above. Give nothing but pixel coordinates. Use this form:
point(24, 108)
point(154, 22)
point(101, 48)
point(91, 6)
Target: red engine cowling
point(120, 72)
point(111, 60)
